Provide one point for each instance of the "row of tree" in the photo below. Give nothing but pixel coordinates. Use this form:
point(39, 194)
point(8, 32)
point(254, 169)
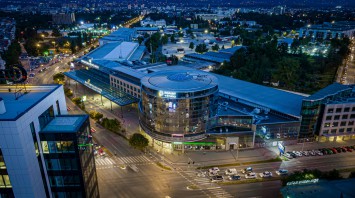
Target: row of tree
point(266, 62)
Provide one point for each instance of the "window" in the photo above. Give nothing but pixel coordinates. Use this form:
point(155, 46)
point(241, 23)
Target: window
point(343, 124)
point(333, 131)
point(350, 123)
point(46, 117)
point(325, 131)
point(335, 124)
point(327, 125)
point(7, 181)
point(58, 109)
point(341, 130)
point(338, 110)
point(330, 110)
point(337, 117)
point(329, 118)
point(346, 109)
point(45, 146)
point(344, 117)
point(352, 116)
point(353, 109)
point(348, 130)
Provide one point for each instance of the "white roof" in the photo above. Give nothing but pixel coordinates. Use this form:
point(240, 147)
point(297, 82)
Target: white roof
point(122, 51)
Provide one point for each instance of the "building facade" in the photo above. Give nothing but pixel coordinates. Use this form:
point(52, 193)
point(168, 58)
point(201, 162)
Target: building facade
point(22, 120)
point(63, 18)
point(176, 106)
point(328, 113)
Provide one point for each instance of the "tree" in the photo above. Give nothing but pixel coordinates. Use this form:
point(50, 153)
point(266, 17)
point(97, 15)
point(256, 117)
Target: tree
point(201, 48)
point(96, 115)
point(215, 47)
point(77, 101)
point(73, 47)
point(352, 174)
point(164, 39)
point(56, 32)
point(172, 38)
point(140, 40)
point(138, 141)
point(59, 78)
point(192, 45)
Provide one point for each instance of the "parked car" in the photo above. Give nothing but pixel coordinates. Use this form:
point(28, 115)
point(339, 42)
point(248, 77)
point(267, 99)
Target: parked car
point(265, 174)
point(292, 154)
point(250, 175)
point(287, 155)
point(247, 170)
point(234, 177)
point(304, 153)
point(282, 172)
point(231, 171)
point(217, 178)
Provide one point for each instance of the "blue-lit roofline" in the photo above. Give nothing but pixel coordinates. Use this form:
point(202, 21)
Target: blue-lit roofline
point(326, 96)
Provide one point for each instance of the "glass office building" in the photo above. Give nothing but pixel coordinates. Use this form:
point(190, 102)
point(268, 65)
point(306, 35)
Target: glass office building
point(176, 105)
point(68, 156)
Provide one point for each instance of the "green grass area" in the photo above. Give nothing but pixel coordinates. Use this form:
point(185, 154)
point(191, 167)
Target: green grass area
point(162, 166)
point(277, 159)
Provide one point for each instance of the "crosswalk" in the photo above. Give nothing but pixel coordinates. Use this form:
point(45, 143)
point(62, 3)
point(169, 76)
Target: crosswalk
point(206, 184)
point(133, 159)
point(104, 161)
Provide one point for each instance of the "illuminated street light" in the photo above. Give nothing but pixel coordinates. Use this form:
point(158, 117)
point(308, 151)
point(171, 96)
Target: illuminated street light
point(206, 31)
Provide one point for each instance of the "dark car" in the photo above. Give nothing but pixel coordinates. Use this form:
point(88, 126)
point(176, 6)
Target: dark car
point(234, 177)
point(292, 154)
point(343, 149)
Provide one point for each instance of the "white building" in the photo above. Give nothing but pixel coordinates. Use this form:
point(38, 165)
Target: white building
point(21, 120)
point(339, 29)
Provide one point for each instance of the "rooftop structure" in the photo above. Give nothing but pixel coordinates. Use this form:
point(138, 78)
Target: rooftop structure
point(179, 81)
point(17, 108)
point(122, 34)
point(117, 51)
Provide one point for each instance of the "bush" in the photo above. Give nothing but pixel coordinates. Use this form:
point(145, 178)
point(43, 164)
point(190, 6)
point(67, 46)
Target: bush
point(95, 115)
point(138, 141)
point(352, 174)
point(111, 124)
point(68, 92)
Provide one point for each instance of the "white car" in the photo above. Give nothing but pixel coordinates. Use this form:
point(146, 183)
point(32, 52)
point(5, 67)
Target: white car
point(214, 169)
point(231, 171)
point(282, 172)
point(288, 155)
point(247, 170)
point(251, 175)
point(265, 174)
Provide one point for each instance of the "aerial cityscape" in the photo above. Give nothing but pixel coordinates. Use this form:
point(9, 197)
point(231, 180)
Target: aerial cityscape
point(172, 99)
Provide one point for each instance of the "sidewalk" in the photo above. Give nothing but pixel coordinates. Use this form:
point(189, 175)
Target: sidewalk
point(259, 154)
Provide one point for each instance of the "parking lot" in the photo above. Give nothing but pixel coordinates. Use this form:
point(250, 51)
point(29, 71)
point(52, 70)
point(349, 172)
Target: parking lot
point(319, 152)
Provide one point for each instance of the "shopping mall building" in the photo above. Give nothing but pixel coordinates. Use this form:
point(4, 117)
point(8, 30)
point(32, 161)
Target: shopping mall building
point(183, 107)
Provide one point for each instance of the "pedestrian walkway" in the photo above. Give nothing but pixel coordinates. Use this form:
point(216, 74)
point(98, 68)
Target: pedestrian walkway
point(104, 161)
point(133, 159)
point(206, 184)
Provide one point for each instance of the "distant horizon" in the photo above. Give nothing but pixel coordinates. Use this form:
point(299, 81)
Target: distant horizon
point(223, 3)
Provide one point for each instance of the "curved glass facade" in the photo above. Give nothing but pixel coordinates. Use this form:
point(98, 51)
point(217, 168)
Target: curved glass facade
point(170, 116)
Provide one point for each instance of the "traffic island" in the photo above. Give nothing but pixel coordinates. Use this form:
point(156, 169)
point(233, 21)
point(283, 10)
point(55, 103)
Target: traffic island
point(277, 159)
point(192, 187)
point(163, 166)
point(247, 181)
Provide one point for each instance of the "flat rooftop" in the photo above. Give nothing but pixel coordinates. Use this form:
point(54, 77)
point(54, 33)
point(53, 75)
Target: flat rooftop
point(17, 108)
point(116, 51)
point(269, 97)
point(65, 124)
point(328, 91)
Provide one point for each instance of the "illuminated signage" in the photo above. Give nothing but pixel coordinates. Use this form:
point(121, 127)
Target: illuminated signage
point(177, 135)
point(281, 147)
point(167, 94)
point(308, 181)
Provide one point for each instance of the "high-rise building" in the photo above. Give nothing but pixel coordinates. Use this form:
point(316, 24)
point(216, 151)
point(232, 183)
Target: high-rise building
point(43, 153)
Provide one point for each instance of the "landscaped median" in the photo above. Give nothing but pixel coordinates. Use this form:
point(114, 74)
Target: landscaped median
point(247, 181)
point(277, 159)
point(163, 166)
